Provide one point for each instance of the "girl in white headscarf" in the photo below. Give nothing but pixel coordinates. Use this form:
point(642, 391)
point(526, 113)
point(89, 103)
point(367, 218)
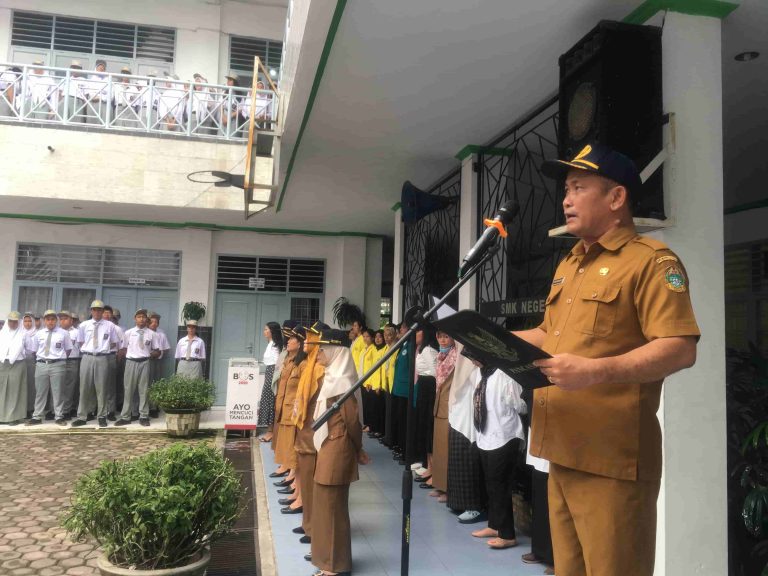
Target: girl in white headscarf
point(339, 451)
point(13, 372)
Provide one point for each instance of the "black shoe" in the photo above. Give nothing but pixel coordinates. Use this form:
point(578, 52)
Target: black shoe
point(154, 413)
point(283, 483)
point(397, 456)
point(289, 510)
point(122, 422)
point(33, 422)
point(287, 490)
point(279, 474)
point(102, 422)
point(305, 540)
point(308, 557)
point(111, 416)
point(90, 416)
point(144, 421)
point(134, 417)
point(14, 423)
point(418, 478)
point(285, 501)
point(61, 422)
point(298, 530)
point(426, 486)
point(50, 416)
point(77, 423)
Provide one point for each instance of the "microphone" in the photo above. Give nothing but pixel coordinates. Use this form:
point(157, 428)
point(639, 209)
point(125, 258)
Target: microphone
point(495, 228)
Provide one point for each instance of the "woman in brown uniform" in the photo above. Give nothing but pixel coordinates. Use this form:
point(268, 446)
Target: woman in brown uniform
point(446, 361)
point(282, 371)
point(339, 444)
point(302, 414)
point(285, 453)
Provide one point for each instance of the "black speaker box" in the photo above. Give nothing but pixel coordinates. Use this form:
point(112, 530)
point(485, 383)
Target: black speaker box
point(610, 92)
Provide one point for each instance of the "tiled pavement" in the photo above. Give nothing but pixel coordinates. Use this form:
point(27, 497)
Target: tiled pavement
point(37, 473)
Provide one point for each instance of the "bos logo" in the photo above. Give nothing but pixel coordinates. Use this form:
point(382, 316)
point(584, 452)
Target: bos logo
point(241, 407)
point(236, 376)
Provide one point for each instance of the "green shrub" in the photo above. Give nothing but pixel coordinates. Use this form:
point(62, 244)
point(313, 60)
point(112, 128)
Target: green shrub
point(158, 510)
point(179, 392)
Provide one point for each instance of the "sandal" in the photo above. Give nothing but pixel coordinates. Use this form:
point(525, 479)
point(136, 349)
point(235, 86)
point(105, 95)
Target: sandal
point(485, 533)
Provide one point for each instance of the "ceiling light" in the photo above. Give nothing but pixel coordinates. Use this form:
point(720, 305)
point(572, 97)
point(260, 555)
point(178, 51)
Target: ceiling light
point(272, 72)
point(746, 56)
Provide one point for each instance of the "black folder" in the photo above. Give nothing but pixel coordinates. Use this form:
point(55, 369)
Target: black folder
point(492, 345)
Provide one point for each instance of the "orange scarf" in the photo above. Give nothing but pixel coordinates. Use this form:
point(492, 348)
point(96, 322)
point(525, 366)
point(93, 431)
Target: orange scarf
point(307, 383)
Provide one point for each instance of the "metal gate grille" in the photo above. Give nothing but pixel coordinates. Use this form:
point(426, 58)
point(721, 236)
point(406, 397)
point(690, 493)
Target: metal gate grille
point(431, 256)
point(524, 266)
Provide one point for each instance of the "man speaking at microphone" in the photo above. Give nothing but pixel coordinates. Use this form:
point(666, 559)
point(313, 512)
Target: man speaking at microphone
point(618, 320)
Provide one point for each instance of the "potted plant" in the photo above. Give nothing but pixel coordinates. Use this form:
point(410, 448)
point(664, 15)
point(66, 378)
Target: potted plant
point(193, 311)
point(345, 313)
point(157, 514)
point(182, 399)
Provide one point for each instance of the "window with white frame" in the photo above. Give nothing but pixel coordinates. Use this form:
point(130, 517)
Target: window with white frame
point(243, 49)
point(53, 36)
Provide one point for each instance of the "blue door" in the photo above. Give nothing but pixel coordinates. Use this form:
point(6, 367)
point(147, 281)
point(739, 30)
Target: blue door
point(164, 302)
point(240, 319)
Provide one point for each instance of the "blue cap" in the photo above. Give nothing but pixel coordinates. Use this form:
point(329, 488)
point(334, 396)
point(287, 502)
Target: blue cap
point(601, 160)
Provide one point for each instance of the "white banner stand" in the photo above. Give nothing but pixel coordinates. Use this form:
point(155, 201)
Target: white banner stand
point(244, 384)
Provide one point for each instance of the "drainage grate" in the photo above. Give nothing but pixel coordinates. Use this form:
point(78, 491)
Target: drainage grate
point(237, 553)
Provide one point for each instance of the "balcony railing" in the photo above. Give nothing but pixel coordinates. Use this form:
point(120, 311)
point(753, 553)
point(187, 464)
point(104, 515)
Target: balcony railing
point(126, 103)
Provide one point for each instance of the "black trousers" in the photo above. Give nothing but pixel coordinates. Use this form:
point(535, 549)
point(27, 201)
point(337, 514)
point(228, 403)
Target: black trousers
point(389, 420)
point(541, 538)
point(499, 470)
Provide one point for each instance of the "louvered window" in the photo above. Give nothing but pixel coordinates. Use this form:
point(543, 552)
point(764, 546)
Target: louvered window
point(270, 274)
point(90, 265)
point(242, 51)
point(141, 267)
point(99, 37)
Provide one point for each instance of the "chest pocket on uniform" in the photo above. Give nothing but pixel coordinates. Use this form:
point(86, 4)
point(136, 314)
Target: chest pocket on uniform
point(598, 309)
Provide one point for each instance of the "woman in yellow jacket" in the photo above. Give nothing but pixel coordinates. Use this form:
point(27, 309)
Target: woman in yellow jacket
point(376, 384)
point(387, 380)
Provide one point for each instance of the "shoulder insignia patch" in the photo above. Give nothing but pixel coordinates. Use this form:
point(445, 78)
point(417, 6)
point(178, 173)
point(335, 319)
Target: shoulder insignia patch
point(666, 259)
point(558, 281)
point(674, 279)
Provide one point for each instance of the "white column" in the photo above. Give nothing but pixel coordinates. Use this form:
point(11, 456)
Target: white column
point(397, 275)
point(693, 525)
point(468, 226)
point(373, 256)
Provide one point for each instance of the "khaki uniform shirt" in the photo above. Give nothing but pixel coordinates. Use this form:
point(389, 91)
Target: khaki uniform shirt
point(625, 292)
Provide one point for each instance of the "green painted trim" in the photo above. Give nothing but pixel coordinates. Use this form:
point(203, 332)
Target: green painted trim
point(332, 29)
point(182, 225)
point(396, 206)
point(747, 206)
point(470, 149)
point(714, 8)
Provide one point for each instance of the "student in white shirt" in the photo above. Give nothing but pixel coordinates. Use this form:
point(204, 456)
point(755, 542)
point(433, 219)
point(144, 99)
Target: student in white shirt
point(500, 437)
point(140, 346)
point(156, 364)
point(98, 339)
point(42, 94)
point(71, 380)
point(28, 322)
point(190, 352)
point(52, 346)
point(13, 372)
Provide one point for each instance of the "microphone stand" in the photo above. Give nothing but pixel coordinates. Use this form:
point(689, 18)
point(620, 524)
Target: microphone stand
point(416, 319)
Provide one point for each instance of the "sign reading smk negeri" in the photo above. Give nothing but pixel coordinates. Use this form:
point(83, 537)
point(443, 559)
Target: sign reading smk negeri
point(244, 384)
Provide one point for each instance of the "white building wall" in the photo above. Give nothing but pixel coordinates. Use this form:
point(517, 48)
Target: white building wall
point(202, 27)
point(345, 257)
point(373, 272)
